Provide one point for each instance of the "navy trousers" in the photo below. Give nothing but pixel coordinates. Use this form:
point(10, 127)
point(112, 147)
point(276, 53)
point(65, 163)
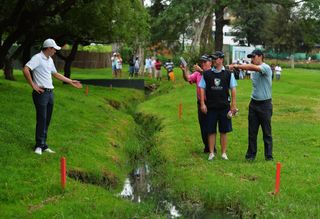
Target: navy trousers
point(260, 113)
point(44, 106)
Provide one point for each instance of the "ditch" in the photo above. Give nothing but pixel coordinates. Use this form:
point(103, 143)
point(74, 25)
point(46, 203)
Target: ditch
point(140, 185)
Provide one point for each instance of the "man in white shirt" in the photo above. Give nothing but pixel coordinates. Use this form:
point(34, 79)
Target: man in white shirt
point(43, 69)
point(278, 70)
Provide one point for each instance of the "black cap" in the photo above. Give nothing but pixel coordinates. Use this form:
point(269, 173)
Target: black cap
point(256, 52)
point(218, 54)
point(205, 58)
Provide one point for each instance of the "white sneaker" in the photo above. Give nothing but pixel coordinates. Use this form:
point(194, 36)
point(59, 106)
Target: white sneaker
point(49, 151)
point(211, 156)
point(224, 156)
point(38, 150)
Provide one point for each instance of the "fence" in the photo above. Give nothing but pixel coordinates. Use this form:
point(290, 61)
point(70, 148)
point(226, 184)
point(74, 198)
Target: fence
point(86, 59)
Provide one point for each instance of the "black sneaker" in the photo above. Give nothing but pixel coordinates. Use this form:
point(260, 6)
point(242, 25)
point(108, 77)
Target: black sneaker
point(269, 158)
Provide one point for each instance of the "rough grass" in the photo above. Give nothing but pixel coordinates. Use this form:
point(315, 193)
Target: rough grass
point(97, 136)
point(96, 140)
point(236, 186)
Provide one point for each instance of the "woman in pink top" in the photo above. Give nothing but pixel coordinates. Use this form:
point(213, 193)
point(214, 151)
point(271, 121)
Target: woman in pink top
point(194, 78)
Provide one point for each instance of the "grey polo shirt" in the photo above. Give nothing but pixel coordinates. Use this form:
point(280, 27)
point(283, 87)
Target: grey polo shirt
point(42, 68)
point(262, 83)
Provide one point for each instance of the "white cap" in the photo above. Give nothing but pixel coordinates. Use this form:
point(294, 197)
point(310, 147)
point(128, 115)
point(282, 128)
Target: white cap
point(50, 43)
point(115, 54)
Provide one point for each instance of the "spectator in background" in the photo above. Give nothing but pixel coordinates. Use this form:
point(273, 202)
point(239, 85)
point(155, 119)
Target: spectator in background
point(278, 70)
point(157, 66)
point(136, 67)
point(113, 64)
point(119, 65)
point(131, 66)
point(273, 70)
point(169, 67)
point(153, 67)
point(147, 67)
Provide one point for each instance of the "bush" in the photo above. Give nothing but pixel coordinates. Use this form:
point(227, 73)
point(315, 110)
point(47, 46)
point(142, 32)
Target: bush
point(92, 48)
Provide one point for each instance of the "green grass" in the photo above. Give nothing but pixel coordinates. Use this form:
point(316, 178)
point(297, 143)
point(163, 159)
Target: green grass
point(235, 184)
point(99, 140)
point(94, 137)
point(297, 64)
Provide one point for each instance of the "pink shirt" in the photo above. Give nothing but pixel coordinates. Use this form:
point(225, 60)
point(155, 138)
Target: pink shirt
point(195, 77)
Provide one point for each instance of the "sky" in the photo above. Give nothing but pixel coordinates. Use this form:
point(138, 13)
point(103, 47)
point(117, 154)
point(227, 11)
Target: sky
point(147, 3)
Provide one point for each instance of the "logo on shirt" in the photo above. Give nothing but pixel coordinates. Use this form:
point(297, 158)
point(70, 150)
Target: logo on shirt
point(217, 82)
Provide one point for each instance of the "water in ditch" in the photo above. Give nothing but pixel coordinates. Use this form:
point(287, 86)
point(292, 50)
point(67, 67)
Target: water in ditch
point(138, 187)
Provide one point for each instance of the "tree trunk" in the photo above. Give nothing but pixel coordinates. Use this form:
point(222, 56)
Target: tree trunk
point(206, 42)
point(197, 29)
point(8, 69)
point(220, 22)
point(26, 55)
point(70, 59)
point(140, 54)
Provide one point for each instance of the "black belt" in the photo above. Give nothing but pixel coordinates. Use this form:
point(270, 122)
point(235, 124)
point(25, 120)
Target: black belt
point(47, 89)
point(260, 101)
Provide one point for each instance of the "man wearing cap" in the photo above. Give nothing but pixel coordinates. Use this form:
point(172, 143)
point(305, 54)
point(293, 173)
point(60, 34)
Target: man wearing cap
point(260, 107)
point(215, 102)
point(194, 78)
point(40, 80)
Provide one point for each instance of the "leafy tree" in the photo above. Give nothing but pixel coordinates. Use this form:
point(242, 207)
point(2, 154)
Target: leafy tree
point(110, 21)
point(285, 26)
point(250, 22)
point(191, 18)
point(68, 21)
point(19, 19)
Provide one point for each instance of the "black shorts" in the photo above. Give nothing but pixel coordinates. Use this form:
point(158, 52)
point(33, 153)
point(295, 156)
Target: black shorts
point(215, 117)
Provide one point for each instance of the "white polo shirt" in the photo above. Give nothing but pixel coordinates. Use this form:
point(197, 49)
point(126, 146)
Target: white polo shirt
point(42, 68)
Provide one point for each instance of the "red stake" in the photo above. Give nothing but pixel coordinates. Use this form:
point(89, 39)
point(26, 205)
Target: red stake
point(180, 110)
point(87, 90)
point(277, 186)
point(63, 172)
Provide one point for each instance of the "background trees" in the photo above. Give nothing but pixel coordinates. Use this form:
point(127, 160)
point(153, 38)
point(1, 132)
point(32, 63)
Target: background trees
point(279, 25)
point(26, 23)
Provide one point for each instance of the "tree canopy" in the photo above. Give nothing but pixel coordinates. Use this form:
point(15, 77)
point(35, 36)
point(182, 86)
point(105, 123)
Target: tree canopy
point(27, 23)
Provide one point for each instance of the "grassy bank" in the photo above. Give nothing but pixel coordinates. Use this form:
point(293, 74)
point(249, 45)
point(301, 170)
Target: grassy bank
point(95, 135)
point(236, 186)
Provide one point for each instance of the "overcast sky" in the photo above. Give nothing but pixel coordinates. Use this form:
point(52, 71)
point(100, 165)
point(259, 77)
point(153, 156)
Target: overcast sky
point(147, 3)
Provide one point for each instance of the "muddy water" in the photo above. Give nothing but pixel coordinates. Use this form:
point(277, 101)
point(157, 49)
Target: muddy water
point(138, 187)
